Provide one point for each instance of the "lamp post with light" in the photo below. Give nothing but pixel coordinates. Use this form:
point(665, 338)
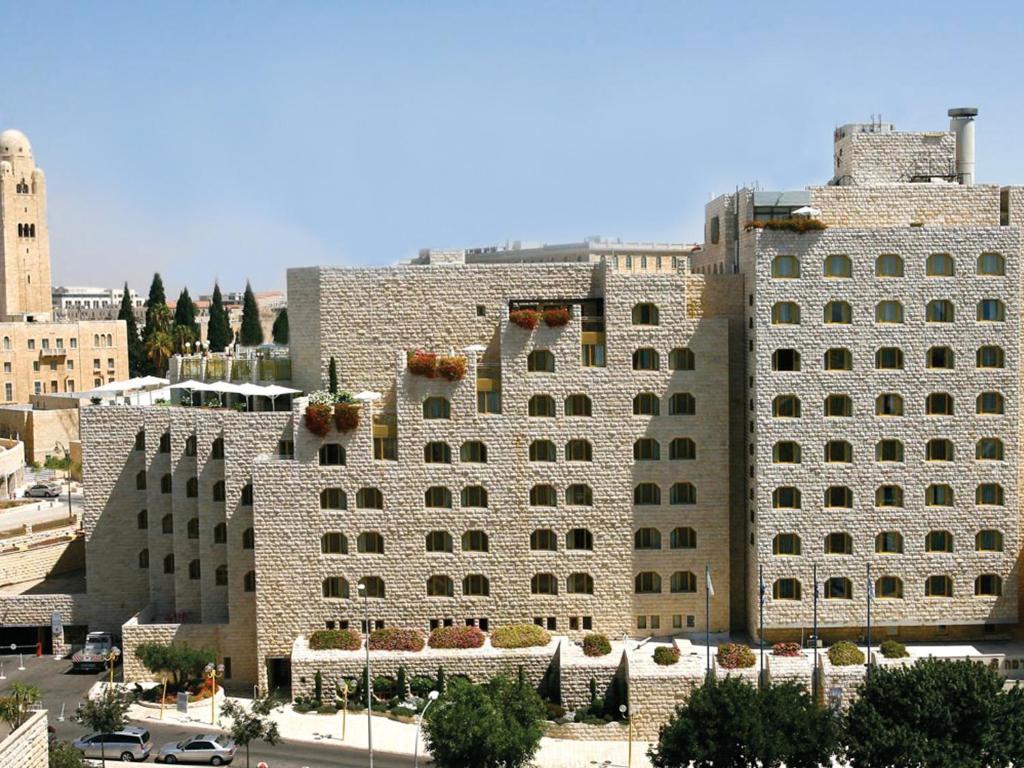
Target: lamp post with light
point(629, 720)
point(369, 672)
point(111, 659)
point(211, 673)
point(431, 698)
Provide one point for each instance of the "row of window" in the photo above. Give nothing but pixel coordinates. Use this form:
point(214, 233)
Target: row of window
point(890, 358)
point(891, 404)
point(43, 343)
point(889, 265)
point(191, 445)
point(218, 490)
point(841, 496)
point(26, 230)
point(887, 542)
point(887, 587)
point(888, 312)
point(841, 451)
point(195, 571)
point(220, 530)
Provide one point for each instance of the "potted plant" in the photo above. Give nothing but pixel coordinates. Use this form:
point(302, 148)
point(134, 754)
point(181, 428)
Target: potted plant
point(525, 318)
point(556, 317)
point(423, 363)
point(346, 416)
point(319, 407)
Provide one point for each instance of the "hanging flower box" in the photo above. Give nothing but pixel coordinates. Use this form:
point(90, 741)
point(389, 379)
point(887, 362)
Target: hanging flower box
point(451, 367)
point(525, 318)
point(556, 317)
point(318, 419)
point(346, 416)
point(423, 363)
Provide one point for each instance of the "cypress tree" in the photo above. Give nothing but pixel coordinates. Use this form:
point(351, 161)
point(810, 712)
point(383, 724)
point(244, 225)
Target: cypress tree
point(185, 313)
point(332, 376)
point(157, 315)
point(218, 332)
point(251, 332)
point(280, 329)
point(136, 352)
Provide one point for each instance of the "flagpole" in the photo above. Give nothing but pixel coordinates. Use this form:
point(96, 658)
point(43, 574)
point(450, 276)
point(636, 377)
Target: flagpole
point(760, 588)
point(871, 594)
point(814, 673)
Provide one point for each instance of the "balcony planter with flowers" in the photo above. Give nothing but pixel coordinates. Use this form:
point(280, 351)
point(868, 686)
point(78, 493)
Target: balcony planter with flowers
point(319, 407)
point(346, 416)
point(451, 367)
point(799, 225)
point(423, 363)
point(525, 318)
point(556, 317)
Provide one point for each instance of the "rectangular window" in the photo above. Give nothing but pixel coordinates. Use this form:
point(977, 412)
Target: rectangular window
point(31, 343)
point(35, 365)
point(74, 343)
point(677, 621)
point(39, 387)
point(8, 391)
point(71, 385)
point(715, 229)
point(46, 343)
point(574, 623)
point(592, 356)
point(488, 402)
point(588, 622)
point(7, 367)
point(655, 622)
point(286, 449)
point(385, 448)
point(110, 362)
point(95, 363)
point(641, 622)
point(552, 623)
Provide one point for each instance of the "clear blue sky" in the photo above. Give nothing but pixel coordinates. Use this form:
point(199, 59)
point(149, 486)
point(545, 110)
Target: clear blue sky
point(234, 140)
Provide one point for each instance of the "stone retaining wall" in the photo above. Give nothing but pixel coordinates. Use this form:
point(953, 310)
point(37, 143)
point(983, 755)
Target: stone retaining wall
point(27, 746)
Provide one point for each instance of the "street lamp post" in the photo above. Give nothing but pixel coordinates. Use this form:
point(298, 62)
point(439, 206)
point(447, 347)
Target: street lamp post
point(431, 698)
point(111, 660)
point(629, 722)
point(369, 672)
point(212, 673)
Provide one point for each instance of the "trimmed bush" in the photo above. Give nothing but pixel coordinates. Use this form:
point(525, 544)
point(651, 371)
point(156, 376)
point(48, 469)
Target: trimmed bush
point(666, 655)
point(735, 656)
point(451, 367)
point(525, 318)
point(318, 419)
point(596, 644)
point(421, 686)
point(423, 363)
point(335, 639)
point(396, 639)
point(786, 649)
point(346, 416)
point(456, 637)
point(556, 318)
point(845, 654)
point(789, 225)
point(519, 636)
point(893, 649)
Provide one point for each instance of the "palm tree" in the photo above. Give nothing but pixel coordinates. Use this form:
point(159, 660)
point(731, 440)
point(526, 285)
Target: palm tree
point(180, 336)
point(159, 348)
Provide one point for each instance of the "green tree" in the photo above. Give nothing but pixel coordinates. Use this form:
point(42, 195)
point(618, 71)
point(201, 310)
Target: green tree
point(218, 332)
point(63, 755)
point(280, 328)
point(156, 302)
point(14, 709)
point(183, 663)
point(939, 713)
point(332, 376)
point(798, 733)
point(180, 336)
point(251, 332)
point(185, 313)
point(159, 348)
point(104, 714)
point(252, 724)
point(496, 725)
point(136, 352)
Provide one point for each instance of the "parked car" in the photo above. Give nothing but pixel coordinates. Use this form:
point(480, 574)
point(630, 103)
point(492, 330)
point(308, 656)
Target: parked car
point(205, 748)
point(128, 744)
point(44, 491)
point(94, 654)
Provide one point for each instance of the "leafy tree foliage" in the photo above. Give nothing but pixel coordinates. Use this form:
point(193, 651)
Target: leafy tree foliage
point(63, 755)
point(252, 724)
point(158, 320)
point(136, 351)
point(496, 725)
point(939, 713)
point(185, 313)
point(14, 709)
point(280, 328)
point(104, 714)
point(251, 332)
point(182, 662)
point(218, 332)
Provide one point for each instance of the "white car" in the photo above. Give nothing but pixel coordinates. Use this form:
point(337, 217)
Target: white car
point(209, 749)
point(43, 491)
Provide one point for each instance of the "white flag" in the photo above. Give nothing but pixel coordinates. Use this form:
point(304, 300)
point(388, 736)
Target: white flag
point(707, 578)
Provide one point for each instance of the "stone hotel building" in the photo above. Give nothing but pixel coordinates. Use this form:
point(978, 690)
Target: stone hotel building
point(794, 402)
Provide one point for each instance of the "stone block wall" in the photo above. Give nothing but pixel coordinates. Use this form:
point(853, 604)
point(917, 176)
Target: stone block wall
point(27, 746)
point(908, 205)
point(880, 157)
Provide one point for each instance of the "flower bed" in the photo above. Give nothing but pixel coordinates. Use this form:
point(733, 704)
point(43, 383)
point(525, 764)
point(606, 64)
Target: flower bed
point(525, 318)
point(735, 656)
point(786, 649)
point(346, 416)
point(422, 363)
point(451, 367)
point(335, 639)
point(666, 655)
point(396, 639)
point(596, 644)
point(788, 225)
point(519, 636)
point(318, 419)
point(557, 317)
point(845, 654)
point(456, 637)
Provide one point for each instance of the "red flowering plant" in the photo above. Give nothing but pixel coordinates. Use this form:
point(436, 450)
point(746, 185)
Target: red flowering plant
point(596, 644)
point(451, 367)
point(786, 649)
point(396, 639)
point(335, 639)
point(346, 416)
point(423, 363)
point(556, 317)
point(525, 318)
point(456, 637)
point(318, 419)
point(735, 656)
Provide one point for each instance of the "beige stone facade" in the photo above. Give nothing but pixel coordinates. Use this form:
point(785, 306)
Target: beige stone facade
point(27, 747)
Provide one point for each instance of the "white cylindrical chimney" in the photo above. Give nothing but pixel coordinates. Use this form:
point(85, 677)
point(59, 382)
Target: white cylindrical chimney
point(961, 122)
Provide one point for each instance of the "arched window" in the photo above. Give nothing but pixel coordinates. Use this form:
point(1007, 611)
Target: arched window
point(683, 538)
point(889, 312)
point(542, 406)
point(889, 543)
point(647, 583)
point(645, 314)
point(246, 495)
point(217, 449)
point(838, 588)
point(940, 357)
point(785, 360)
point(647, 538)
point(143, 558)
point(938, 586)
point(991, 264)
point(837, 266)
point(439, 541)
point(838, 359)
point(646, 493)
point(474, 496)
point(988, 540)
point(579, 495)
point(888, 496)
point(437, 408)
point(682, 449)
point(787, 544)
point(578, 405)
point(473, 452)
point(577, 450)
point(646, 449)
point(785, 313)
point(333, 498)
point(889, 588)
point(786, 497)
point(440, 586)
point(332, 455)
point(681, 359)
point(475, 541)
point(334, 543)
point(939, 311)
point(438, 497)
point(579, 538)
point(165, 442)
point(140, 480)
point(838, 452)
point(684, 581)
point(940, 265)
point(543, 496)
point(373, 586)
point(991, 311)
point(218, 491)
point(142, 520)
point(838, 313)
point(989, 449)
point(990, 357)
point(682, 493)
point(7, 343)
point(646, 404)
point(939, 404)
point(249, 581)
point(437, 453)
point(889, 265)
point(988, 585)
point(543, 584)
point(192, 528)
point(889, 358)
point(248, 539)
point(938, 541)
point(369, 498)
point(990, 404)
point(335, 588)
point(542, 450)
point(194, 569)
point(543, 539)
point(370, 543)
point(540, 361)
point(682, 404)
point(840, 406)
point(165, 484)
point(989, 494)
point(476, 585)
point(785, 267)
point(646, 359)
point(839, 496)
point(939, 449)
point(580, 584)
point(191, 449)
point(169, 563)
point(167, 523)
point(786, 589)
point(938, 495)
point(889, 404)
point(786, 452)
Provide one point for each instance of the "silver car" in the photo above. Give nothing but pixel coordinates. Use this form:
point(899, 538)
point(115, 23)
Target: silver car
point(206, 748)
point(44, 491)
point(128, 744)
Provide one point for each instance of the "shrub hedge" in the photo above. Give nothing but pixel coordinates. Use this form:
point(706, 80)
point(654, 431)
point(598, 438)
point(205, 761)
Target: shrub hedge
point(519, 636)
point(789, 225)
point(666, 655)
point(335, 639)
point(596, 644)
point(786, 649)
point(893, 649)
point(456, 637)
point(396, 639)
point(845, 654)
point(735, 656)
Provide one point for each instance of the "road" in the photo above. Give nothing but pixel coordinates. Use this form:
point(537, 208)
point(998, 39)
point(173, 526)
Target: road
point(42, 511)
point(62, 687)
